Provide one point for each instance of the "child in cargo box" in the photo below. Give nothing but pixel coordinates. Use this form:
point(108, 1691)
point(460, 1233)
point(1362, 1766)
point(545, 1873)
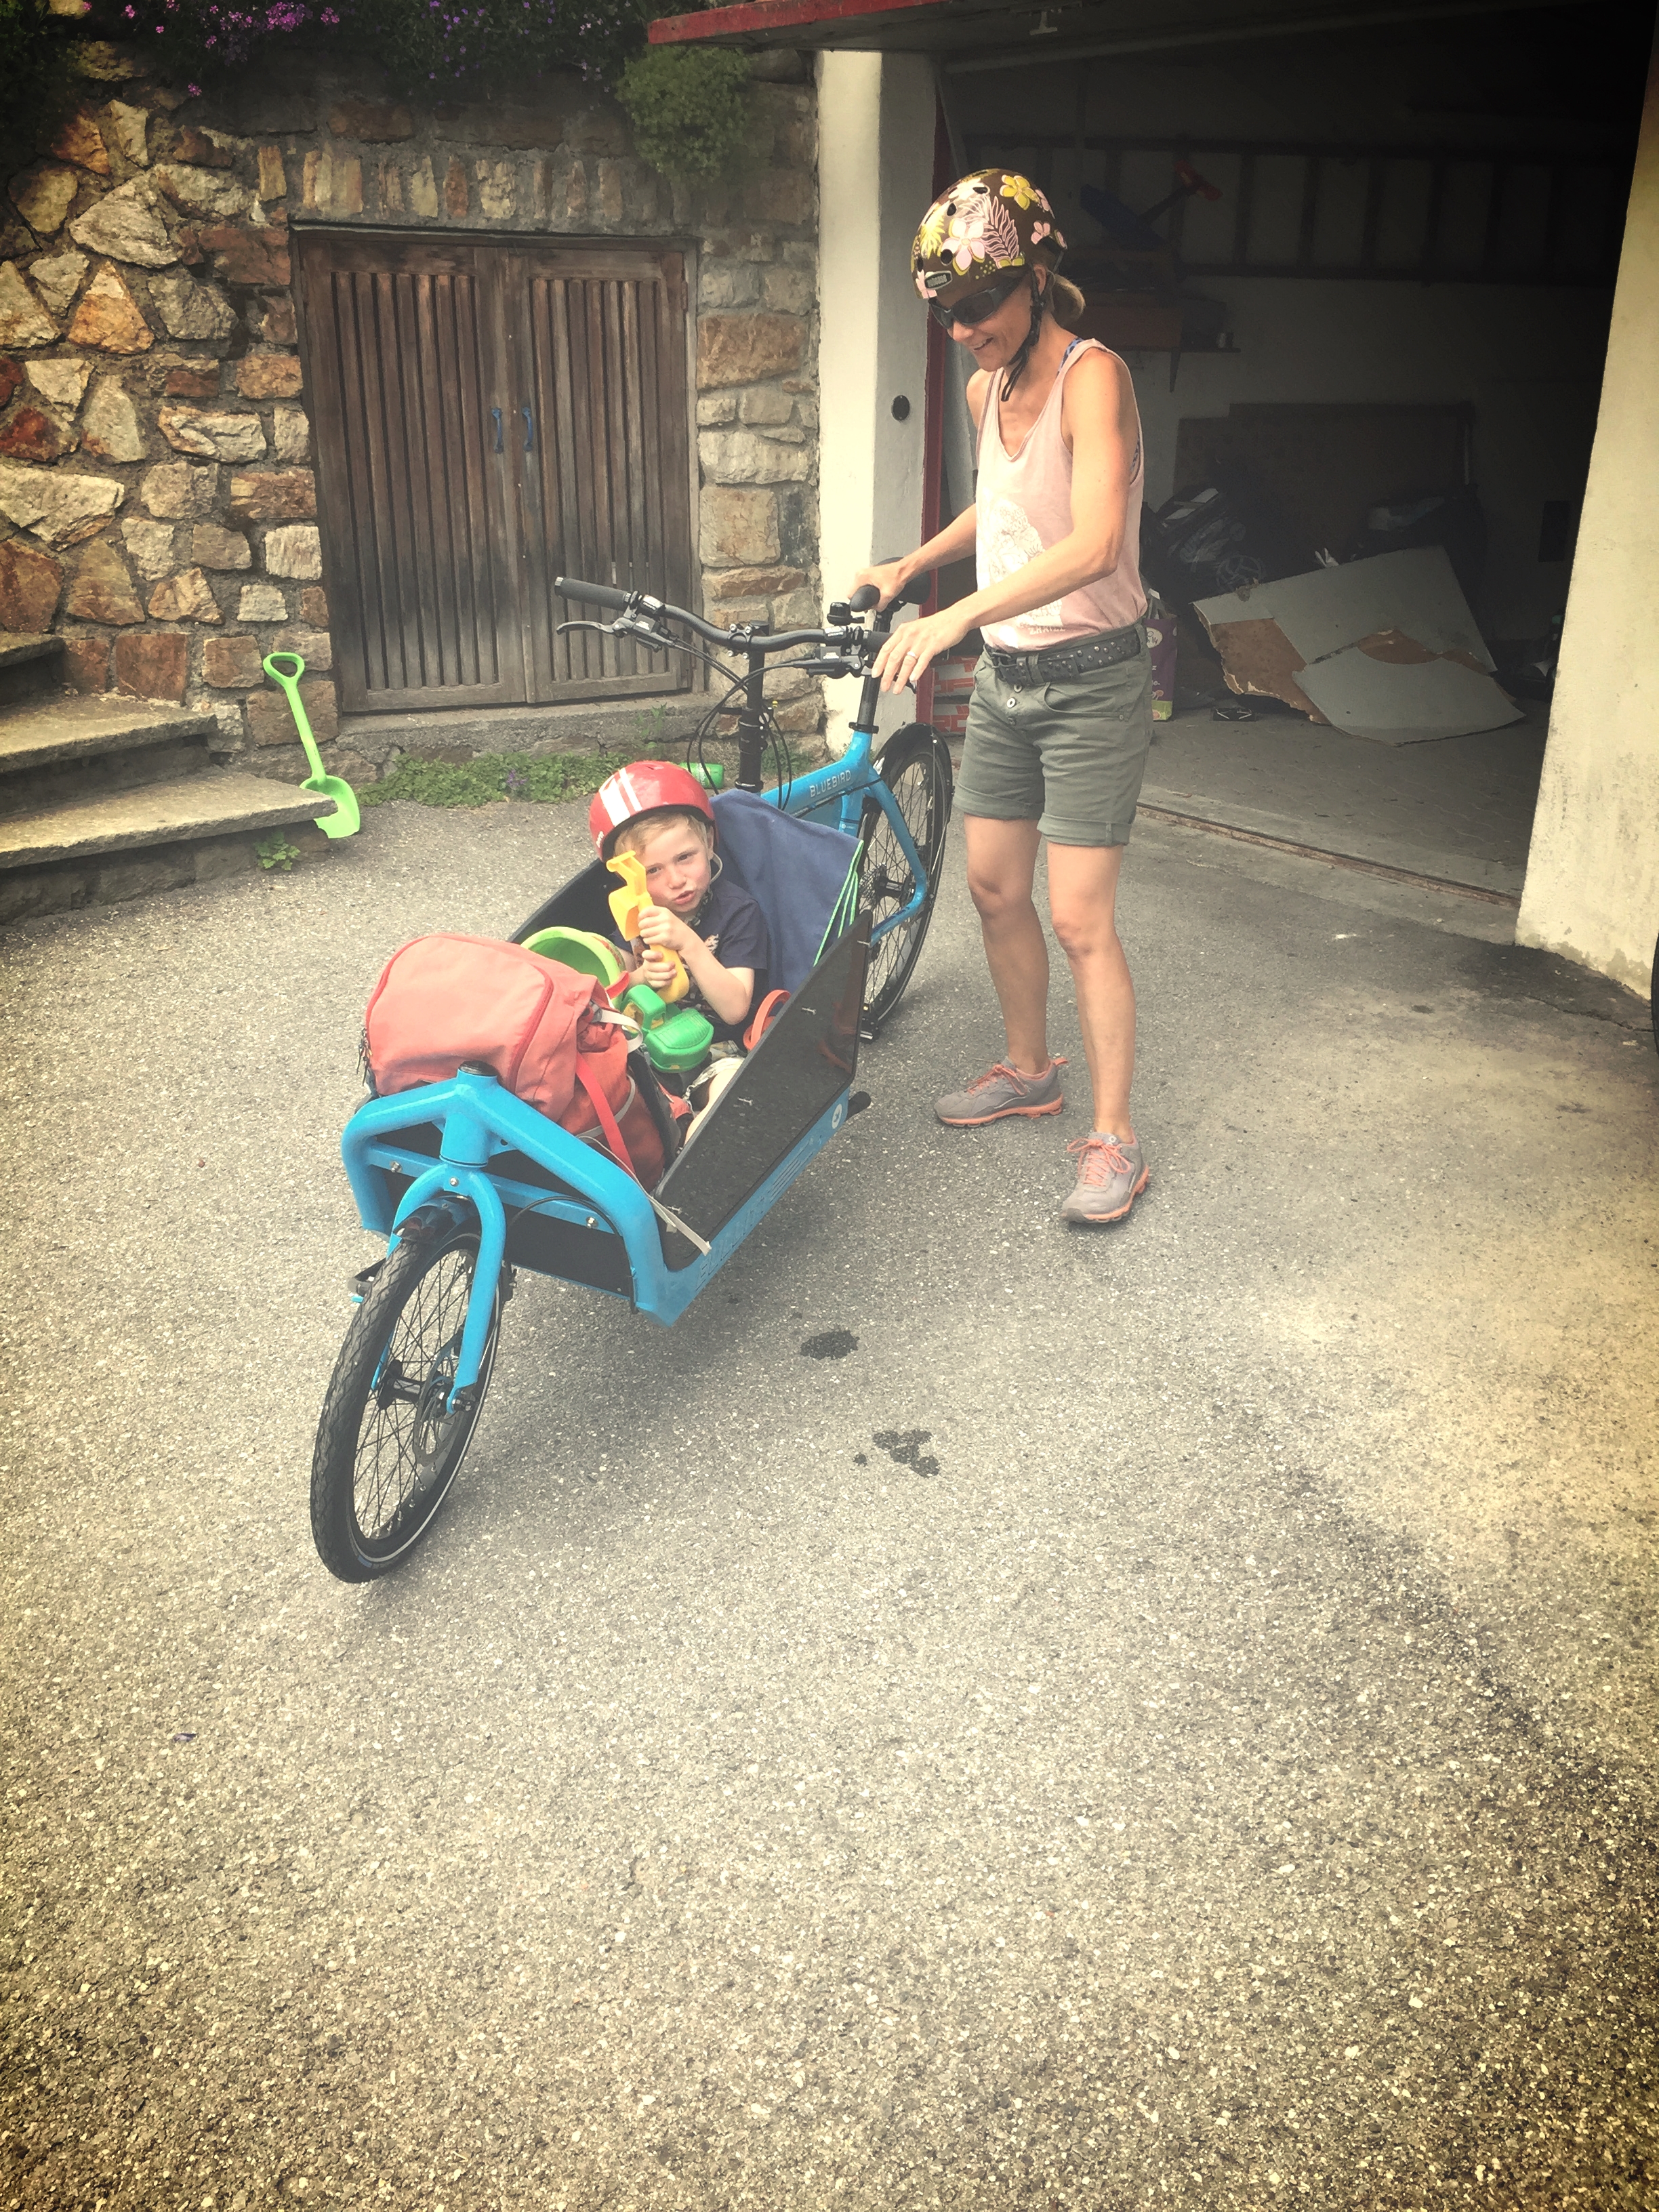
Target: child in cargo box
point(662, 813)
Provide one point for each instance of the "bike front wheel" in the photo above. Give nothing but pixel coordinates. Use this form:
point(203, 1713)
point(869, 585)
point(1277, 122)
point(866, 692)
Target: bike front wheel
point(388, 1448)
point(915, 766)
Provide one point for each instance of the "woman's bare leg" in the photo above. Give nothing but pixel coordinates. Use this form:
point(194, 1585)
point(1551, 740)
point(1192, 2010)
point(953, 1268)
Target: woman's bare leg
point(1001, 870)
point(1082, 902)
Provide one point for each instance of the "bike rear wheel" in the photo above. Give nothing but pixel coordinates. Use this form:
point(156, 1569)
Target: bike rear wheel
point(916, 769)
point(388, 1449)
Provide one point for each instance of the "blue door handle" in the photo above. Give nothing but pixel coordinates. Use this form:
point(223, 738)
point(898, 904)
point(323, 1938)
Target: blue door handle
point(529, 430)
point(496, 412)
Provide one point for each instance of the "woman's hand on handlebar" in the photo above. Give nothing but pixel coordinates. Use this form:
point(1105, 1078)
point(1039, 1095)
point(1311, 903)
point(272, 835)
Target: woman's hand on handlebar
point(908, 652)
point(889, 577)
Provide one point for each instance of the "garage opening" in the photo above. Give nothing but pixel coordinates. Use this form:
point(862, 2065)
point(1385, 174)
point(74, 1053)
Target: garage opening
point(1363, 277)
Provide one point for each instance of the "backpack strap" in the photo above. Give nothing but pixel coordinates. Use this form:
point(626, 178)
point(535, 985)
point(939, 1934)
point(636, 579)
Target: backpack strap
point(613, 1135)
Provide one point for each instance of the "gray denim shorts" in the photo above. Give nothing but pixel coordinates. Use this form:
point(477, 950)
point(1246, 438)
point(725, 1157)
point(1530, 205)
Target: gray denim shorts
point(1069, 754)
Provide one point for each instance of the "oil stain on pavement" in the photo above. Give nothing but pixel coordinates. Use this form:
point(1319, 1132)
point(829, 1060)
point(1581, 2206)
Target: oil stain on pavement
point(834, 1344)
point(904, 1447)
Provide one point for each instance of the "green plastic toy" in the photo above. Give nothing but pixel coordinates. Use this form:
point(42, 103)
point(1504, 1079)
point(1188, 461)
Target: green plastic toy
point(583, 950)
point(677, 1038)
point(346, 820)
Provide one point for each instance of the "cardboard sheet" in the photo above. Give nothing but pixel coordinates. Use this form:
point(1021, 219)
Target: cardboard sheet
point(1385, 648)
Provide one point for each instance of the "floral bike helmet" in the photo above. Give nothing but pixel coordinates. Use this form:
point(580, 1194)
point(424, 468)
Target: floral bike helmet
point(991, 221)
point(642, 788)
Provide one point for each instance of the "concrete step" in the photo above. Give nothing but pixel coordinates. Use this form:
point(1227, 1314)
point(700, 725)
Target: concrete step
point(122, 846)
point(29, 664)
point(215, 804)
point(58, 749)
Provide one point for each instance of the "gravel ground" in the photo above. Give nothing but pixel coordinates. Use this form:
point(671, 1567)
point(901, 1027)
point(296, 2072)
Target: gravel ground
point(977, 1716)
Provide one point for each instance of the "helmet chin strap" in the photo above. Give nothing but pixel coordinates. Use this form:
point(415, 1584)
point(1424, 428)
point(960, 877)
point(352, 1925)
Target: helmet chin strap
point(1016, 367)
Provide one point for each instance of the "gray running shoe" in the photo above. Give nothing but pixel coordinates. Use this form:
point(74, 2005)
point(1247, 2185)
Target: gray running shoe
point(1111, 1175)
point(1002, 1090)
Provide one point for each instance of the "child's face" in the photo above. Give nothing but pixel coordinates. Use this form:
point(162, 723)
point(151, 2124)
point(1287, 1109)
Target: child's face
point(676, 867)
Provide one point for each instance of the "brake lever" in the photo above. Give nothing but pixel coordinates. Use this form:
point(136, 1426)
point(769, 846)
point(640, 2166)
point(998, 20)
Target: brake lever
point(642, 633)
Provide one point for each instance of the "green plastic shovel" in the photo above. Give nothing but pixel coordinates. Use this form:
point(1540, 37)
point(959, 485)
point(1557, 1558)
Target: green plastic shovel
point(346, 820)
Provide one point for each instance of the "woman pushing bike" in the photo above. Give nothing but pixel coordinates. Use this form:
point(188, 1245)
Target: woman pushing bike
point(1060, 722)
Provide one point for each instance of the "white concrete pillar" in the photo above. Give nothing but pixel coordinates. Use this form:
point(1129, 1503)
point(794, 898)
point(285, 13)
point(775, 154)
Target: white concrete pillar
point(875, 179)
point(1592, 889)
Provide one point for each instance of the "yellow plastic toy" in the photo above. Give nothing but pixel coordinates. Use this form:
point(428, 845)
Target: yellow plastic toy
point(625, 905)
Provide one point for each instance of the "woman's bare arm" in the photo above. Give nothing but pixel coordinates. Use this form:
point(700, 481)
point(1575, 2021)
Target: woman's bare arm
point(954, 543)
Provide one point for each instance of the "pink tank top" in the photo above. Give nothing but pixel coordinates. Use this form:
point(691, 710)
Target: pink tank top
point(1025, 504)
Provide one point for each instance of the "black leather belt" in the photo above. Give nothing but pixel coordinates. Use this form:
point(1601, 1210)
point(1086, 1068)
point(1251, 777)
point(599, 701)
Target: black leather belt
point(1082, 655)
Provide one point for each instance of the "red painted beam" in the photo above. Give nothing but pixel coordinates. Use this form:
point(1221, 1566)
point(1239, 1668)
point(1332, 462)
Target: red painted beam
point(750, 15)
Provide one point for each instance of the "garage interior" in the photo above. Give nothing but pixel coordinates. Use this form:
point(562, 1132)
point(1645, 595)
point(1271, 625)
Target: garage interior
point(1378, 318)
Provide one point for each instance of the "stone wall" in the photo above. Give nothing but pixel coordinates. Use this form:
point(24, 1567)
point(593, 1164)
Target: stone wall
point(157, 495)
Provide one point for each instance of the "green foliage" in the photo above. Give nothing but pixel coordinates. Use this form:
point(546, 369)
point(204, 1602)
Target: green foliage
point(689, 109)
point(649, 729)
point(34, 72)
point(424, 46)
point(276, 852)
point(548, 778)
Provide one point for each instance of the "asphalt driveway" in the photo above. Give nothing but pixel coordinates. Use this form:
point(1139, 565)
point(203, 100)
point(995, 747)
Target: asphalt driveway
point(1158, 1716)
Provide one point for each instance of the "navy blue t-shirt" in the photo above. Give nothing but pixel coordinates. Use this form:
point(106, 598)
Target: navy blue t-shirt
point(732, 927)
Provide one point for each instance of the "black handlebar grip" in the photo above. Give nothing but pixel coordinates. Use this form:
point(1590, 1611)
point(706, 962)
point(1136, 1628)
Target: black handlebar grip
point(864, 598)
point(598, 595)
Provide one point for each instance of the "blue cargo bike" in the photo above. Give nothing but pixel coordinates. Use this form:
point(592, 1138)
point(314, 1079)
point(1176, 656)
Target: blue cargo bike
point(468, 1183)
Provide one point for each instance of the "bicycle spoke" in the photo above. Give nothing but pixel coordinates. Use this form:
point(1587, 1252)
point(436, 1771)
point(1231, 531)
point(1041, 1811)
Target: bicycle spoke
point(416, 1369)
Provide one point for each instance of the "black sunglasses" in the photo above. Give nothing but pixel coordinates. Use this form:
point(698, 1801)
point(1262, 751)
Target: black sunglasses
point(978, 306)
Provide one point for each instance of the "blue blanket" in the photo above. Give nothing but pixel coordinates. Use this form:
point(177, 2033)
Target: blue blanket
point(794, 869)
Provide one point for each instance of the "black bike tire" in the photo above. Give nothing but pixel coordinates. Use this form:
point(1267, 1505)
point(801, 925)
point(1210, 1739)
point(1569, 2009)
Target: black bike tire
point(889, 972)
point(342, 1545)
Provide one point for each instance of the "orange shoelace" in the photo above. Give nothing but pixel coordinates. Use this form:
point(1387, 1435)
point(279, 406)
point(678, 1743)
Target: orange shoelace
point(1014, 1074)
point(1099, 1158)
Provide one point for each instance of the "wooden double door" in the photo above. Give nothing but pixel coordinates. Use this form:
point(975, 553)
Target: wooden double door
point(488, 415)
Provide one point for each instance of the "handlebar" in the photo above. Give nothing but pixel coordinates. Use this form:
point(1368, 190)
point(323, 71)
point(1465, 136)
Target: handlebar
point(654, 611)
point(647, 614)
point(598, 595)
point(642, 603)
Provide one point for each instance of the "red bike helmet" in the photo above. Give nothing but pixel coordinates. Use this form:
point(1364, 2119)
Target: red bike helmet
point(642, 788)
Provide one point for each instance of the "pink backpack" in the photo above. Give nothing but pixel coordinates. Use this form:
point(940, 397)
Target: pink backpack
point(443, 1002)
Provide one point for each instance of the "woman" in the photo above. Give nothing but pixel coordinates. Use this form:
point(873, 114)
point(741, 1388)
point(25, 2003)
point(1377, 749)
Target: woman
point(1060, 718)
